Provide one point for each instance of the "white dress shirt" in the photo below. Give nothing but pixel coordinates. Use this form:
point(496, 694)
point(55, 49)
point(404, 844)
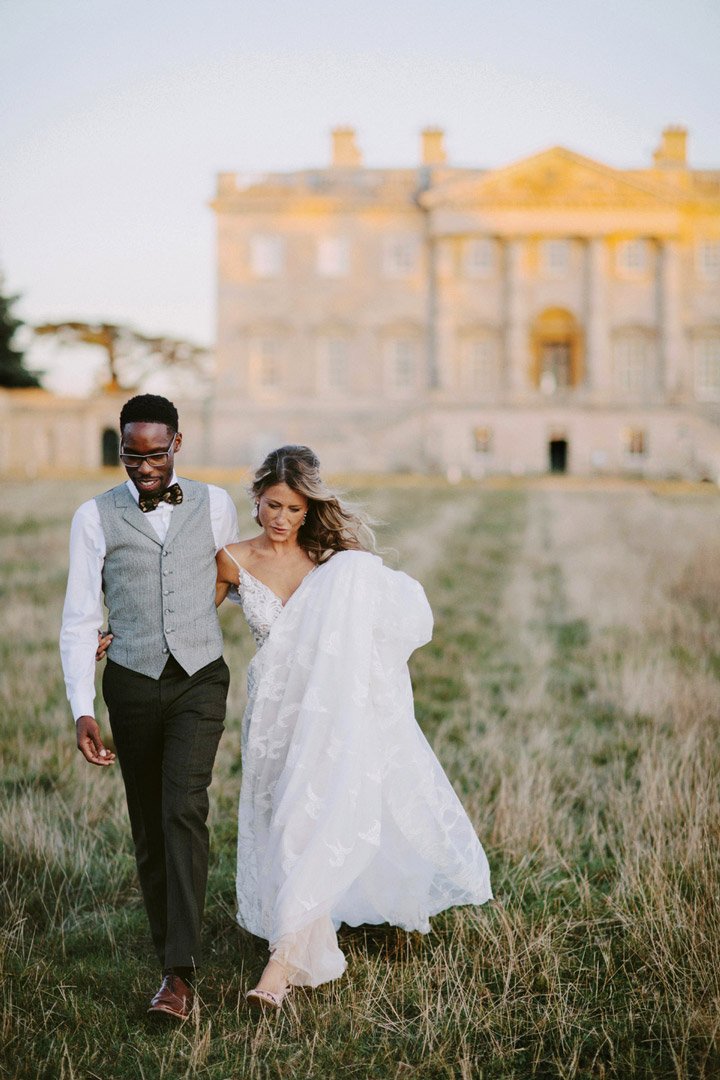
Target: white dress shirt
point(83, 610)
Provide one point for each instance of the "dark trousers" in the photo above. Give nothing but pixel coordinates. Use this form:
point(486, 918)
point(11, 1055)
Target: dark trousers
point(166, 734)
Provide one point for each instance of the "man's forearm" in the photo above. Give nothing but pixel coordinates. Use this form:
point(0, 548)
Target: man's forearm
point(77, 652)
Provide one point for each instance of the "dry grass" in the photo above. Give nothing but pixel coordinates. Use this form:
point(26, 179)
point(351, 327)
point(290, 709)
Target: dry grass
point(571, 691)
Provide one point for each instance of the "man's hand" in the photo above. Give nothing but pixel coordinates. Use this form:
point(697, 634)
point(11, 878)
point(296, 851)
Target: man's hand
point(89, 742)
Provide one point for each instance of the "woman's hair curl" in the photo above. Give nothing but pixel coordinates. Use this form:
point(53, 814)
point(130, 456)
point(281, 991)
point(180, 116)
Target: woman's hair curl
point(331, 524)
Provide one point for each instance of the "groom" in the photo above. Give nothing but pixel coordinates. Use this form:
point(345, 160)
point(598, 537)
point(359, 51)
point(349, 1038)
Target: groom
point(149, 546)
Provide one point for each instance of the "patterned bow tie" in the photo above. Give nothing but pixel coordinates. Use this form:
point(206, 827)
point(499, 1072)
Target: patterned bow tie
point(172, 495)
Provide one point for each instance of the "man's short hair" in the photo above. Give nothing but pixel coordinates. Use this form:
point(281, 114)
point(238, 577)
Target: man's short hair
point(149, 409)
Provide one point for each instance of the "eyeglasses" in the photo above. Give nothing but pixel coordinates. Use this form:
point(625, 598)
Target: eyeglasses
point(134, 461)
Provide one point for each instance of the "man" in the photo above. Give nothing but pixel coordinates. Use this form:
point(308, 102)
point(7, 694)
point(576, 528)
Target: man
point(149, 545)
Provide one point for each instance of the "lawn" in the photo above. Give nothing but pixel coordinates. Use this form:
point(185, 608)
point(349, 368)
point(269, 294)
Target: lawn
point(572, 693)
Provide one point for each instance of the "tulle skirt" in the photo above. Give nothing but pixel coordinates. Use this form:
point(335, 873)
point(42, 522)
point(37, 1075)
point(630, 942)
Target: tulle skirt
point(345, 812)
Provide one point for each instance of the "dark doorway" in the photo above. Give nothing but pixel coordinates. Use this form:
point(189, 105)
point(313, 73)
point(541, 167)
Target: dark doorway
point(110, 448)
point(558, 455)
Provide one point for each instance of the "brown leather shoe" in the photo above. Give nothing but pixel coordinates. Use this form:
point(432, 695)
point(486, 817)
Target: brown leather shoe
point(174, 999)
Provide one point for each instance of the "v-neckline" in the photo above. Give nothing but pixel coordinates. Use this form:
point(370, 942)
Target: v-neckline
point(283, 603)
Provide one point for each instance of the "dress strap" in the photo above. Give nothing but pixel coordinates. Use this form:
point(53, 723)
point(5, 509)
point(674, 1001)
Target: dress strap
point(240, 568)
point(233, 558)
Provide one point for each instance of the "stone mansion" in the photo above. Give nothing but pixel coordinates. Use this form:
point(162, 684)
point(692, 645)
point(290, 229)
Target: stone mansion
point(555, 314)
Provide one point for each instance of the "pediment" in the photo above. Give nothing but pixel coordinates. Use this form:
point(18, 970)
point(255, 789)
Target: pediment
point(553, 178)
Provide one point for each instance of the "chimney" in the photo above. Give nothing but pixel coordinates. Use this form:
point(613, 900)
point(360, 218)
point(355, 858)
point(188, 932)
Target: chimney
point(433, 146)
point(345, 153)
point(672, 151)
point(227, 183)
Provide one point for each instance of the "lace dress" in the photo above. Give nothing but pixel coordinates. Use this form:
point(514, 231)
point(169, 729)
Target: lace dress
point(345, 812)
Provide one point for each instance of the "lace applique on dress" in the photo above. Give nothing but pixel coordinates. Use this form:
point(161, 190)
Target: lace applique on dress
point(259, 604)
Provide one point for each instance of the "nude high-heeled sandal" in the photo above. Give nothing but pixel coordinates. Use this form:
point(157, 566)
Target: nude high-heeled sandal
point(265, 1000)
point(262, 1000)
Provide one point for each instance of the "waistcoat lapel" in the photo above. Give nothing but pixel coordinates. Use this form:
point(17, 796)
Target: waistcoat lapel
point(183, 511)
point(134, 516)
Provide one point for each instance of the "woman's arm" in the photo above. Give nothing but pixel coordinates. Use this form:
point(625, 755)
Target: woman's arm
point(228, 574)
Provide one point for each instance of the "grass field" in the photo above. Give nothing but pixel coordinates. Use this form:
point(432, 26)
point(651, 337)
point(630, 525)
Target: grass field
point(572, 692)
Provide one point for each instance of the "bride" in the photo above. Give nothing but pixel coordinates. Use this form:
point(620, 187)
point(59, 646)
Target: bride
point(345, 813)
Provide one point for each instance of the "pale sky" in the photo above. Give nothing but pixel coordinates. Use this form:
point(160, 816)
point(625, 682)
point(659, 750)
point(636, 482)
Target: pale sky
point(117, 114)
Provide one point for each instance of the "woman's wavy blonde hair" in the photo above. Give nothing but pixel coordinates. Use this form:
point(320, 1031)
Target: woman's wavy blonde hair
point(331, 524)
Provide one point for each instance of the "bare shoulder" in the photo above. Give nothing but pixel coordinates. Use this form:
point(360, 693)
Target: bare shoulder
point(241, 552)
point(229, 558)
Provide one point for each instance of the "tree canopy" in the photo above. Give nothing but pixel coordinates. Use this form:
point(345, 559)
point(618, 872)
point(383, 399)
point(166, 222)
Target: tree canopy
point(130, 354)
point(13, 373)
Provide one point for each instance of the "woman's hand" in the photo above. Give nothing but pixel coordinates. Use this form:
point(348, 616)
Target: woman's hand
point(104, 640)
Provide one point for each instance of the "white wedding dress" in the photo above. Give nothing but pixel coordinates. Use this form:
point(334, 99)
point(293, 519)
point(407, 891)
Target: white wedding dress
point(345, 813)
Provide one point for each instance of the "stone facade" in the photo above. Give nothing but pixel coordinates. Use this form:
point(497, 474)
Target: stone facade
point(42, 433)
point(552, 315)
point(555, 314)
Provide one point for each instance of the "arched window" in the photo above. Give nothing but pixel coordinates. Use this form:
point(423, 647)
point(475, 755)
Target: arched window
point(557, 351)
point(110, 448)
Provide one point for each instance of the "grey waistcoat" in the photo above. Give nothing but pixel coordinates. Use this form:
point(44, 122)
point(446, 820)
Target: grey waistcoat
point(161, 596)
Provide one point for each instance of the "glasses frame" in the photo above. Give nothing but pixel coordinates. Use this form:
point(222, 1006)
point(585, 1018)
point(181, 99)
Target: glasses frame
point(152, 459)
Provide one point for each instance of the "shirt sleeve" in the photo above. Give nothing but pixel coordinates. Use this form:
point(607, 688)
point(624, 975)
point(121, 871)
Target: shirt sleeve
point(83, 610)
point(223, 516)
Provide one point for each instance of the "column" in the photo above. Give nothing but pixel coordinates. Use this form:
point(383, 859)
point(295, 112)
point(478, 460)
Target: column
point(598, 374)
point(516, 344)
point(671, 378)
point(432, 379)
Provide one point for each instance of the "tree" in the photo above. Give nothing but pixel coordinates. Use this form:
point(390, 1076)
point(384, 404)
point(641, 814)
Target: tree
point(13, 373)
point(131, 356)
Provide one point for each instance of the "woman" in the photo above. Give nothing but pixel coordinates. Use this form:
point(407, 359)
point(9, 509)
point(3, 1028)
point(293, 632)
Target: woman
point(345, 813)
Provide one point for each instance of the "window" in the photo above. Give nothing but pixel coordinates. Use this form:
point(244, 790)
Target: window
point(267, 256)
point(634, 364)
point(480, 365)
point(400, 256)
point(632, 257)
point(483, 440)
point(479, 257)
point(635, 442)
point(707, 368)
point(265, 364)
point(333, 257)
point(334, 364)
point(555, 366)
point(402, 364)
point(555, 256)
point(708, 259)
